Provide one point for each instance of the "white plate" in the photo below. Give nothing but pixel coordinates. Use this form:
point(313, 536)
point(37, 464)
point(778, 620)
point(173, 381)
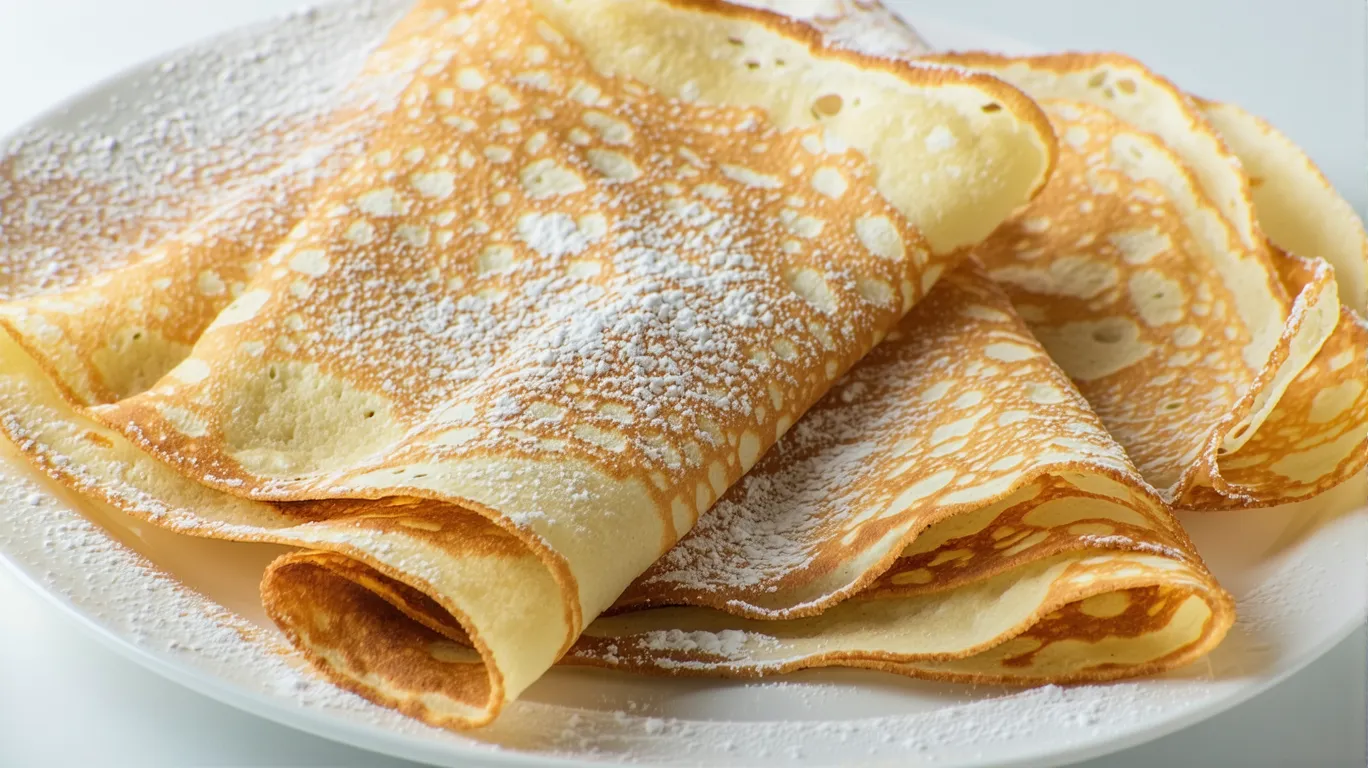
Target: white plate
point(181, 607)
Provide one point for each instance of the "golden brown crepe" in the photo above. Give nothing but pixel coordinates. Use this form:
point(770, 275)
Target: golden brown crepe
point(1144, 267)
point(204, 213)
point(1317, 435)
point(951, 510)
point(1287, 423)
point(510, 380)
point(764, 551)
point(596, 261)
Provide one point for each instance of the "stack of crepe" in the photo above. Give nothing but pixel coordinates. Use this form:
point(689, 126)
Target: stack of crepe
point(663, 335)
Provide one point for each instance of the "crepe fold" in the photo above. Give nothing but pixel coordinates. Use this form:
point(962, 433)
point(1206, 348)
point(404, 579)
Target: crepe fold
point(955, 516)
point(1189, 267)
point(860, 25)
point(598, 257)
point(1198, 278)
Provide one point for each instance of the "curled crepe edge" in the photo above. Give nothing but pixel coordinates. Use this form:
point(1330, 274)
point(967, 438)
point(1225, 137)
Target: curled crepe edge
point(702, 642)
point(1180, 125)
point(1299, 209)
point(105, 469)
point(582, 18)
point(1142, 501)
point(1329, 419)
point(1313, 310)
point(1136, 95)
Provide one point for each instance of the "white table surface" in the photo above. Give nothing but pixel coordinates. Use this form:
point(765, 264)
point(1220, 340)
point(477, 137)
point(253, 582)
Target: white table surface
point(67, 700)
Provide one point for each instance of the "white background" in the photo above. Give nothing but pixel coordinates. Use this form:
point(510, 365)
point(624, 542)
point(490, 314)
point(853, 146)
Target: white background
point(67, 700)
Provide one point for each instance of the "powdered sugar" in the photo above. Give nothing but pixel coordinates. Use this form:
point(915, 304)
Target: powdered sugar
point(822, 717)
point(727, 643)
point(846, 464)
point(623, 318)
point(230, 113)
point(207, 641)
point(866, 26)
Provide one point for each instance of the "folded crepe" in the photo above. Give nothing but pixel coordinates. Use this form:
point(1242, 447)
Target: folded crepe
point(951, 510)
point(1202, 317)
point(1198, 233)
point(1317, 435)
point(600, 256)
point(785, 572)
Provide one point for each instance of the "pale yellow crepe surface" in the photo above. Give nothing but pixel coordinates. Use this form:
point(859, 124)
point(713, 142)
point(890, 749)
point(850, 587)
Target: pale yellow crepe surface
point(581, 278)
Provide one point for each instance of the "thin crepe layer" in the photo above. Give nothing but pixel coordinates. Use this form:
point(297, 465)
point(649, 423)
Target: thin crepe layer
point(1114, 267)
point(1317, 435)
point(582, 278)
point(1299, 455)
point(871, 536)
point(1088, 617)
point(1264, 187)
point(1298, 210)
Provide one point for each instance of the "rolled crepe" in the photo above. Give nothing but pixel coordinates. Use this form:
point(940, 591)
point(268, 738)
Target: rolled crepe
point(599, 257)
point(951, 510)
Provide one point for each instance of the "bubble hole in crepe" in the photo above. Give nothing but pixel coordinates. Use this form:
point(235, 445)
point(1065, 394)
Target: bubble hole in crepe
point(1177, 401)
point(588, 269)
point(874, 536)
point(1303, 324)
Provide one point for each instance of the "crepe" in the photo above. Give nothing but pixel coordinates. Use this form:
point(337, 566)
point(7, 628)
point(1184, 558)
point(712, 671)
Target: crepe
point(1317, 435)
point(960, 516)
point(923, 593)
point(65, 228)
point(1144, 268)
point(1297, 208)
point(1299, 393)
point(598, 259)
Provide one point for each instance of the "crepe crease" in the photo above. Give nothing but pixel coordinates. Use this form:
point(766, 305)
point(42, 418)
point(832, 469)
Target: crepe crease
point(1198, 278)
point(871, 537)
point(579, 278)
point(641, 335)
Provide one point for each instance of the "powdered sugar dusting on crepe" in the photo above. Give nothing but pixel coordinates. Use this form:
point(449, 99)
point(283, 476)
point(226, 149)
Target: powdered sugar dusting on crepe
point(637, 731)
point(232, 111)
